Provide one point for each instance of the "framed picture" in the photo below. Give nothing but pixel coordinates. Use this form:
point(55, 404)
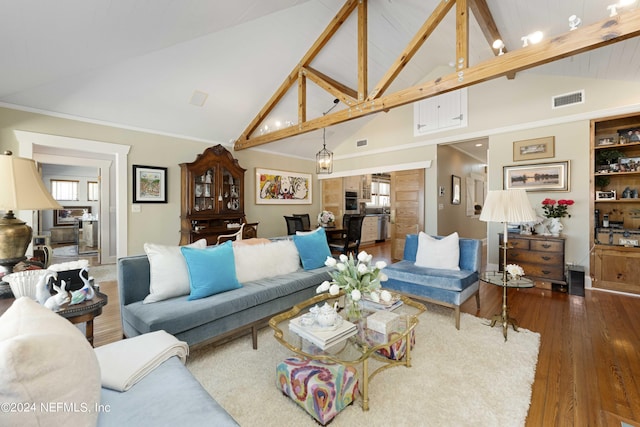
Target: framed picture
point(274, 187)
point(530, 149)
point(455, 190)
point(537, 177)
point(68, 215)
point(629, 164)
point(604, 140)
point(149, 184)
point(629, 135)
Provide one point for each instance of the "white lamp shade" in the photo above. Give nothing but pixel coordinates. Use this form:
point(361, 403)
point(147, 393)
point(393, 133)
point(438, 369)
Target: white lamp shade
point(507, 206)
point(22, 186)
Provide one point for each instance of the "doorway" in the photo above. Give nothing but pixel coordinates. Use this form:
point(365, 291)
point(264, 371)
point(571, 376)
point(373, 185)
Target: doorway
point(111, 159)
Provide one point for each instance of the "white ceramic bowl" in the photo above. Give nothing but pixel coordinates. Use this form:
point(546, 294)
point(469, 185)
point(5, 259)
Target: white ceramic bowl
point(23, 283)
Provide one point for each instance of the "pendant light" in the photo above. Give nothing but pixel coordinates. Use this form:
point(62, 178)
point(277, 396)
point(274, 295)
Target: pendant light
point(324, 158)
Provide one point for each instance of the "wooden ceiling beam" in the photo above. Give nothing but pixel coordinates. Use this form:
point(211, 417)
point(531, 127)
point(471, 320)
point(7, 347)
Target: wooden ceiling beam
point(412, 48)
point(602, 33)
point(488, 26)
point(462, 35)
point(342, 92)
point(324, 38)
point(363, 41)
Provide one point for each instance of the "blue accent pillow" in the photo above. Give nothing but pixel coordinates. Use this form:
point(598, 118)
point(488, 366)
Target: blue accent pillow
point(211, 270)
point(313, 248)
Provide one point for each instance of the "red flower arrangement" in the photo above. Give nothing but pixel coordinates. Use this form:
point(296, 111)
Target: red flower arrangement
point(559, 210)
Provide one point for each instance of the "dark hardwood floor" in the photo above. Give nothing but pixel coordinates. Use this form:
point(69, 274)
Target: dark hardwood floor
point(588, 371)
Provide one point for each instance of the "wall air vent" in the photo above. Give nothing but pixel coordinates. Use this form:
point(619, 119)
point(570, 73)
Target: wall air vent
point(567, 99)
point(361, 143)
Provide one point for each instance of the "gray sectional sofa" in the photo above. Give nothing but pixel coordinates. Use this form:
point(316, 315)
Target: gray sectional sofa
point(215, 317)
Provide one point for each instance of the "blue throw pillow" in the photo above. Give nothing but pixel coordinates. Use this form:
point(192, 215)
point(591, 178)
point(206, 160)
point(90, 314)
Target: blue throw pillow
point(211, 270)
point(313, 248)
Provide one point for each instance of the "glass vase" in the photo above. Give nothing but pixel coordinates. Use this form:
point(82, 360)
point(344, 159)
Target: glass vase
point(353, 309)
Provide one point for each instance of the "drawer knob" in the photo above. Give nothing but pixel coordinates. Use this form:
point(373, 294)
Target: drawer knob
point(546, 258)
point(546, 245)
point(546, 272)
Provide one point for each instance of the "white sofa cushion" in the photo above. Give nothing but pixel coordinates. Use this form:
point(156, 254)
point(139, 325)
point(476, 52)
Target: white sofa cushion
point(438, 253)
point(46, 362)
point(169, 276)
point(255, 262)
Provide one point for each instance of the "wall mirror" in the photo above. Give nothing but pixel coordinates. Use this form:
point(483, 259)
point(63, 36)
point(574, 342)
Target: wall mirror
point(475, 194)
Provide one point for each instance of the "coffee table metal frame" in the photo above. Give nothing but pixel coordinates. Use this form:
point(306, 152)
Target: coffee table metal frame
point(354, 350)
point(499, 278)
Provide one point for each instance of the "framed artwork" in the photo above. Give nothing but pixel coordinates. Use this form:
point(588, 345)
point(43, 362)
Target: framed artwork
point(68, 215)
point(455, 190)
point(149, 184)
point(275, 187)
point(629, 135)
point(531, 149)
point(537, 177)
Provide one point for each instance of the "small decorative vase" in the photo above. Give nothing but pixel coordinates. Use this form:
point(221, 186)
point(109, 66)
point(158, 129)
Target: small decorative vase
point(555, 227)
point(353, 308)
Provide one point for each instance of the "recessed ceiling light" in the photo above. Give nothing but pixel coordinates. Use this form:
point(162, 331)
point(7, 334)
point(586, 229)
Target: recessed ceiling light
point(479, 144)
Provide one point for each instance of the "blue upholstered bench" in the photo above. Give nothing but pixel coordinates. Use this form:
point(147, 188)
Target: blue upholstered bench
point(449, 288)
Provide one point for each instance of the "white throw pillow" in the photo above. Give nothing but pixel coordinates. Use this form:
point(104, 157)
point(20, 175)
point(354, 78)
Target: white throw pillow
point(438, 253)
point(255, 262)
point(169, 276)
point(45, 361)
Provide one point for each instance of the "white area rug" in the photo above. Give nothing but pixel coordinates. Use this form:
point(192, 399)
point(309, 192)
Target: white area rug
point(470, 377)
point(103, 273)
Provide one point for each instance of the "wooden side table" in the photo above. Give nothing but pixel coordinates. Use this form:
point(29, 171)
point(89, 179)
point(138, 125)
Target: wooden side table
point(84, 312)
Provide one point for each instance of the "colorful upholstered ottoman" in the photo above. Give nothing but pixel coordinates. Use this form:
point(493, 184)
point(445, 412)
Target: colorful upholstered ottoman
point(322, 388)
point(398, 349)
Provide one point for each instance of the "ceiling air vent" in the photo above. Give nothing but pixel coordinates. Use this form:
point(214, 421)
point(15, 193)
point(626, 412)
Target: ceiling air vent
point(567, 99)
point(361, 143)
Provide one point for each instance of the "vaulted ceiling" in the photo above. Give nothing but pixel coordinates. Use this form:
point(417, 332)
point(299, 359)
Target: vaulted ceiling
point(138, 63)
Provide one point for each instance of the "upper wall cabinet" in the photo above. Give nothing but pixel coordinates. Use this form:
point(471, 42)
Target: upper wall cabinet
point(446, 111)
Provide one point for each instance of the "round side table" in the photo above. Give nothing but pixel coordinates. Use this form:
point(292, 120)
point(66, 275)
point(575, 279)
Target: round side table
point(497, 278)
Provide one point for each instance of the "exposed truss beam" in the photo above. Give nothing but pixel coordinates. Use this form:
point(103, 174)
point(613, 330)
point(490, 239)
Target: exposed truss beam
point(488, 26)
point(291, 79)
point(602, 33)
point(412, 48)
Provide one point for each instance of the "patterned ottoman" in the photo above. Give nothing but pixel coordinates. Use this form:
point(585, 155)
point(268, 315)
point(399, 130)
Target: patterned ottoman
point(322, 388)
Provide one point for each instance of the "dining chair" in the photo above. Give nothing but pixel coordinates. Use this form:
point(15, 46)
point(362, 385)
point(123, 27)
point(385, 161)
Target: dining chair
point(306, 220)
point(294, 223)
point(350, 239)
point(232, 236)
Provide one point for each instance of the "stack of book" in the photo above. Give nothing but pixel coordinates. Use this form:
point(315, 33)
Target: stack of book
point(323, 337)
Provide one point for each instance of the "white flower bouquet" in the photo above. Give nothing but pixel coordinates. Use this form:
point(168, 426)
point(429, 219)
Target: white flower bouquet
point(515, 271)
point(326, 217)
point(356, 277)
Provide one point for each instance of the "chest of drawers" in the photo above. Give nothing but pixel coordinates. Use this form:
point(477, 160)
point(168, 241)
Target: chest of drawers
point(541, 257)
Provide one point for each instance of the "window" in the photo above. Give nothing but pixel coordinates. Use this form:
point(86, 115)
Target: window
point(380, 191)
point(64, 189)
point(93, 191)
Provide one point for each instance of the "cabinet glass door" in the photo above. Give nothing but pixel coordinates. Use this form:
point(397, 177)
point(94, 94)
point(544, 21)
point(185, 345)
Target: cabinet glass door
point(204, 191)
point(230, 191)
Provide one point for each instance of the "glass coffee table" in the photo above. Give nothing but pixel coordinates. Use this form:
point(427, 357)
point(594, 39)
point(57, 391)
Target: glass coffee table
point(357, 349)
point(497, 278)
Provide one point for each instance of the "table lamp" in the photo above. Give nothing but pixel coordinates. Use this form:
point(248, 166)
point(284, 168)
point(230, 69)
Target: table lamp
point(22, 189)
point(507, 206)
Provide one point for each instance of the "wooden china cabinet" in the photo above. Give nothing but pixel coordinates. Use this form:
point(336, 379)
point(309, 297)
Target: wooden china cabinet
point(615, 162)
point(212, 197)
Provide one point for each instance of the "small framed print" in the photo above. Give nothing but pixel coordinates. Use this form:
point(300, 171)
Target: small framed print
point(149, 184)
point(605, 140)
point(530, 149)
